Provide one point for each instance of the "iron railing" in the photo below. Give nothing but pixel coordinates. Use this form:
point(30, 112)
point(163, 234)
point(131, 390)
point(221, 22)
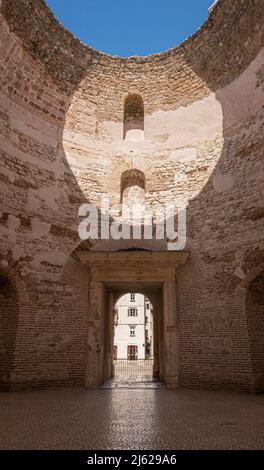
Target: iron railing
point(133, 371)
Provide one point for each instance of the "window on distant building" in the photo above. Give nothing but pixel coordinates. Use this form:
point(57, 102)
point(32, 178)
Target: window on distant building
point(132, 298)
point(132, 312)
point(132, 330)
point(147, 306)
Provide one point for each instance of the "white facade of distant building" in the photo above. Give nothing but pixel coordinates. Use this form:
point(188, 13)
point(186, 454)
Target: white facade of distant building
point(133, 328)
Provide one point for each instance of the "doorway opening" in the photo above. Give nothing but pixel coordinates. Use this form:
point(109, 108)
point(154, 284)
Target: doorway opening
point(133, 349)
point(111, 277)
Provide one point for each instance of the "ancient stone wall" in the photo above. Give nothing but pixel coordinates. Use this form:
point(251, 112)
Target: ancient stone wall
point(61, 134)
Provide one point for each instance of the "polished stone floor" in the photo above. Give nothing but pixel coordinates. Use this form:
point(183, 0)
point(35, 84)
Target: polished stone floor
point(131, 419)
point(133, 383)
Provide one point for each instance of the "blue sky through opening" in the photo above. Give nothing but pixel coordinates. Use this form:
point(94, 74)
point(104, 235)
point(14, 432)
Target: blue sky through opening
point(131, 27)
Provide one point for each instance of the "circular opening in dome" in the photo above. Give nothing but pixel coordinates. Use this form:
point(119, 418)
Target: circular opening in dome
point(128, 28)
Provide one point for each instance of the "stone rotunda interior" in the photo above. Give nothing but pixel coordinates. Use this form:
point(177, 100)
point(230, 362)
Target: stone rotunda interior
point(76, 124)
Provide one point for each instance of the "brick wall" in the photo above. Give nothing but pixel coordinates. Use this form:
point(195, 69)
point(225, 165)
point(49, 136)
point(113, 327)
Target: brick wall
point(9, 315)
point(255, 311)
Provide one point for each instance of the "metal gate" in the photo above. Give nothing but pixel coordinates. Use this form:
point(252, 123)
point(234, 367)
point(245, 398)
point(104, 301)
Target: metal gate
point(133, 371)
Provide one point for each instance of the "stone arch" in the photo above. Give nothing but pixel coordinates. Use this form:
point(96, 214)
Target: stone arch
point(143, 291)
point(128, 245)
point(134, 117)
point(237, 292)
point(16, 313)
point(247, 303)
point(132, 178)
point(133, 189)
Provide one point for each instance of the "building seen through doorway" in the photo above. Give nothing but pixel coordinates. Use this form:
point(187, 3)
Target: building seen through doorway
point(133, 339)
point(133, 345)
